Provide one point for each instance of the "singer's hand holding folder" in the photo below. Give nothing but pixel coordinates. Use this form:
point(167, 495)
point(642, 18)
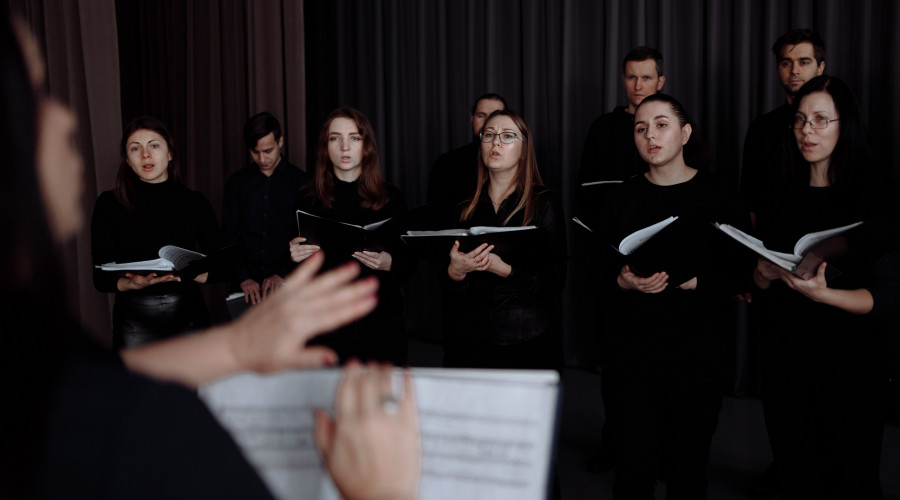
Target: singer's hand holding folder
point(512, 244)
point(810, 250)
point(341, 237)
point(176, 260)
point(656, 248)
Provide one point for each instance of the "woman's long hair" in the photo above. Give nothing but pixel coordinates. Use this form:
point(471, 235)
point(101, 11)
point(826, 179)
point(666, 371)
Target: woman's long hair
point(126, 177)
point(33, 302)
point(528, 179)
point(851, 164)
point(371, 187)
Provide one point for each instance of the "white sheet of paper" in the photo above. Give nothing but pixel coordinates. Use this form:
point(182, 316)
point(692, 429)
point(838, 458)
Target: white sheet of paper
point(486, 434)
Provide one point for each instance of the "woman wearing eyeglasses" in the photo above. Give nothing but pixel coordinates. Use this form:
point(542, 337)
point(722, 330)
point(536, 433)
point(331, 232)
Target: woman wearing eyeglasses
point(664, 375)
point(347, 187)
point(821, 366)
point(503, 311)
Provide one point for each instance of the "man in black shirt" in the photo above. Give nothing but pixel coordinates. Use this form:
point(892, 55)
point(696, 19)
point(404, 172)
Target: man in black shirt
point(800, 56)
point(454, 173)
point(609, 152)
point(258, 210)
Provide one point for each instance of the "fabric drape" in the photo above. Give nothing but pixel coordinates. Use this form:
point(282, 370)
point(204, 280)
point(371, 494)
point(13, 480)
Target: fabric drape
point(414, 68)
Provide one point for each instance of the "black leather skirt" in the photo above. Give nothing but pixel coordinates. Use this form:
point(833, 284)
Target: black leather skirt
point(143, 318)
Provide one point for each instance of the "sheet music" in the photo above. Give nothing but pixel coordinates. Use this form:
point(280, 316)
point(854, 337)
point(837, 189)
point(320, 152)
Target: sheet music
point(486, 434)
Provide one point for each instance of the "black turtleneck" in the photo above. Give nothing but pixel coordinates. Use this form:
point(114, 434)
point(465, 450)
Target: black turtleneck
point(163, 214)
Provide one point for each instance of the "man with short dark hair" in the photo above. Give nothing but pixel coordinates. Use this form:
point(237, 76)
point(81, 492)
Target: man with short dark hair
point(454, 173)
point(800, 57)
point(258, 210)
point(609, 151)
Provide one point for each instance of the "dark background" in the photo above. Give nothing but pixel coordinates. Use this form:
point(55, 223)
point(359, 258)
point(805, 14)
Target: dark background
point(414, 67)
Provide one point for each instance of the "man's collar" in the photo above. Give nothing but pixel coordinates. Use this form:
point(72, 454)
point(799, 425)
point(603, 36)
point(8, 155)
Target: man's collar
point(279, 169)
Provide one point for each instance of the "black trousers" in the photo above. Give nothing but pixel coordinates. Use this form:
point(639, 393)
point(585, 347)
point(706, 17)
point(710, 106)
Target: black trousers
point(665, 408)
point(825, 421)
point(143, 318)
point(541, 353)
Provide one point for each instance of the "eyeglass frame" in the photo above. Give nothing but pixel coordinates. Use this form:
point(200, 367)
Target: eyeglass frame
point(500, 134)
point(796, 120)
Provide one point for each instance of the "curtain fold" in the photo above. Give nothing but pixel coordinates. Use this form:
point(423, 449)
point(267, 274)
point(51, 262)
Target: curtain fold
point(415, 67)
point(79, 41)
point(203, 67)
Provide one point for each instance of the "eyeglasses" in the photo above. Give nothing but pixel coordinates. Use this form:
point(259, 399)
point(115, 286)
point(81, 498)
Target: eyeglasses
point(505, 137)
point(817, 123)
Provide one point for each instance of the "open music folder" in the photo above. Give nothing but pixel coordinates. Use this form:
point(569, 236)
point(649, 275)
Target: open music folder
point(176, 260)
point(486, 434)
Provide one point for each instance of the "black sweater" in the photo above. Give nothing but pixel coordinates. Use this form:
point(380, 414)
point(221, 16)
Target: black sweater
point(673, 319)
point(490, 310)
point(386, 321)
point(822, 335)
point(163, 214)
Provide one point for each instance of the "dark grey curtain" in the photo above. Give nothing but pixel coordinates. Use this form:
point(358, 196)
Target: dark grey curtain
point(79, 40)
point(414, 68)
point(204, 67)
point(201, 66)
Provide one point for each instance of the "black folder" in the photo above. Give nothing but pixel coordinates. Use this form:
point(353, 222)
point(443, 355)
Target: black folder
point(662, 249)
point(342, 238)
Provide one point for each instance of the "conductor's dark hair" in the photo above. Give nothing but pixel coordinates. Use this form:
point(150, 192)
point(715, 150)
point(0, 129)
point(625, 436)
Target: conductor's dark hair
point(125, 178)
point(32, 301)
point(794, 37)
point(259, 126)
point(643, 53)
point(489, 97)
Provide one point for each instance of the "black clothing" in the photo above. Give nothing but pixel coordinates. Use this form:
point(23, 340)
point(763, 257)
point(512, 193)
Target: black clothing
point(610, 153)
point(511, 322)
point(381, 335)
point(454, 175)
point(111, 433)
point(139, 318)
point(764, 148)
point(163, 214)
point(663, 374)
point(822, 369)
point(258, 214)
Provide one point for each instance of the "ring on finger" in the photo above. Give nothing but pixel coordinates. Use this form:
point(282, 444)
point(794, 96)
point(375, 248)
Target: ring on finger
point(389, 404)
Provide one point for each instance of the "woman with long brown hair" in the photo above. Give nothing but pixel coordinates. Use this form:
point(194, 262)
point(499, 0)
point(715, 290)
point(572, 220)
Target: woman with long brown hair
point(505, 310)
point(150, 208)
point(347, 186)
